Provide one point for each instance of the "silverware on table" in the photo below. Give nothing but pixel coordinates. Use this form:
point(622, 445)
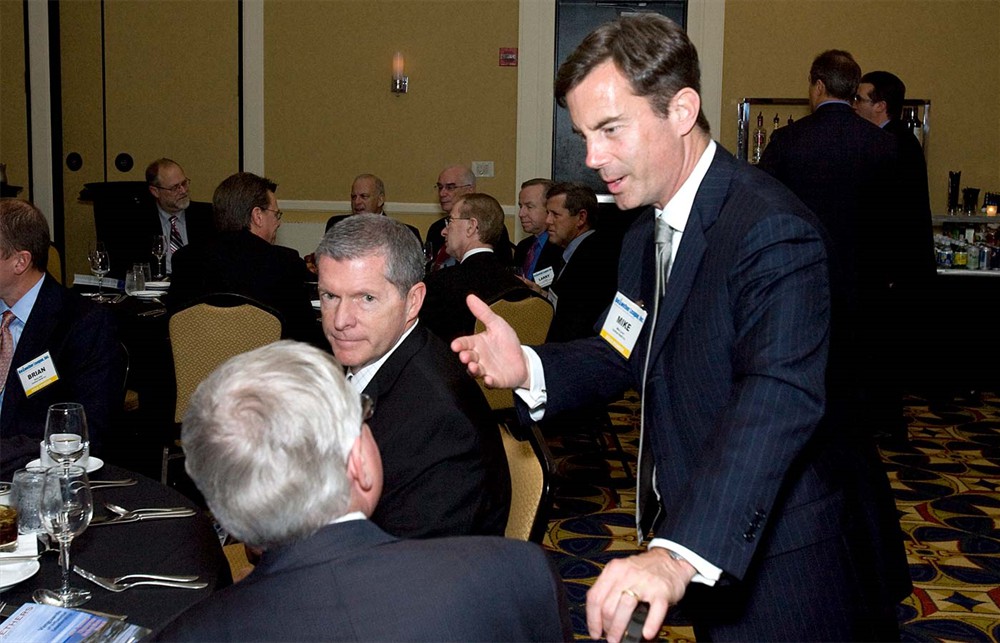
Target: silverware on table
point(110, 584)
point(108, 484)
point(122, 515)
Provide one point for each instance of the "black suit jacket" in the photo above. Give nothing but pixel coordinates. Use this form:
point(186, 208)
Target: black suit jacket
point(584, 288)
point(751, 473)
point(445, 468)
point(243, 263)
point(135, 243)
point(551, 255)
point(82, 339)
point(353, 582)
point(445, 312)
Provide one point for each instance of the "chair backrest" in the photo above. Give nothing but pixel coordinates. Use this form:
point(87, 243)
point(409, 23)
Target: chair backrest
point(530, 318)
point(55, 264)
point(204, 335)
point(528, 461)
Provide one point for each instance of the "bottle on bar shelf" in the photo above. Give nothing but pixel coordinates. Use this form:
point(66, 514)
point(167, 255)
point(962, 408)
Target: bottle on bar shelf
point(759, 139)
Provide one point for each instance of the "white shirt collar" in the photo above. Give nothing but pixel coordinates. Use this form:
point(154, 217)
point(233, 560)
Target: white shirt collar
point(22, 309)
point(361, 377)
point(475, 251)
point(678, 208)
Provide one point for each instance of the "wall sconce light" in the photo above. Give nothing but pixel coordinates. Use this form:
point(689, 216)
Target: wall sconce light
point(400, 81)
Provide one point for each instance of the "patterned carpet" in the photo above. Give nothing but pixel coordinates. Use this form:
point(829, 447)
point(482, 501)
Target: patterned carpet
point(947, 486)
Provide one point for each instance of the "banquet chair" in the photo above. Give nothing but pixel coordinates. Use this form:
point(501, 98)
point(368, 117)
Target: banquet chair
point(530, 318)
point(530, 462)
point(205, 334)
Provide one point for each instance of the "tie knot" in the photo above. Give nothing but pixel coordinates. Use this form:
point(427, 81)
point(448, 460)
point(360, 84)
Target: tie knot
point(664, 232)
point(8, 317)
point(173, 219)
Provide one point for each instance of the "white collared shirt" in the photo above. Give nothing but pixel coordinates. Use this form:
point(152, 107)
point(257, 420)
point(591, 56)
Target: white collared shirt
point(22, 311)
point(360, 378)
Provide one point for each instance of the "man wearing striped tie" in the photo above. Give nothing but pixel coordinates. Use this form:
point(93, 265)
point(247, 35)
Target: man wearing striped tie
point(179, 219)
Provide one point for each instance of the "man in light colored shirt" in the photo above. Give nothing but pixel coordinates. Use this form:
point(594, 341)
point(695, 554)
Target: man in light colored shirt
point(280, 445)
point(534, 253)
point(55, 346)
point(180, 220)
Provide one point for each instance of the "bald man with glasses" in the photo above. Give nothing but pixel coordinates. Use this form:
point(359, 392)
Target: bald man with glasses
point(455, 181)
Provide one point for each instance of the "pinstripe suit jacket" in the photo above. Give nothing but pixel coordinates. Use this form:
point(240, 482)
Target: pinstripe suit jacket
point(735, 394)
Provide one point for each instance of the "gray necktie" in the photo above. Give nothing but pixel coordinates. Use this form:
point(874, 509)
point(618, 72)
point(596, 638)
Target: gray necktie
point(647, 505)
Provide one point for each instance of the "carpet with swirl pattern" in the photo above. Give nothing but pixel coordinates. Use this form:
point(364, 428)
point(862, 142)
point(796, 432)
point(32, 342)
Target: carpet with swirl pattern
point(946, 480)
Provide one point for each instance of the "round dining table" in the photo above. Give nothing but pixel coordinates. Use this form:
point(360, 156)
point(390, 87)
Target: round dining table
point(173, 546)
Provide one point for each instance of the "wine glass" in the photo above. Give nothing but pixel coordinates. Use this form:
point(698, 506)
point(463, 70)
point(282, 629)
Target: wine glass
point(66, 438)
point(159, 251)
point(66, 509)
point(100, 264)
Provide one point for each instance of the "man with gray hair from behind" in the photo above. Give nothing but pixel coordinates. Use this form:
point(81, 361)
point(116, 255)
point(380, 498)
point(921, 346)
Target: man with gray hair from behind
point(277, 441)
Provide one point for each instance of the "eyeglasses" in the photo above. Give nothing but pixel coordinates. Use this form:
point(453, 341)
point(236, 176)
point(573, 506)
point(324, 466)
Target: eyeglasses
point(450, 187)
point(183, 185)
point(448, 220)
point(277, 213)
point(858, 98)
point(367, 407)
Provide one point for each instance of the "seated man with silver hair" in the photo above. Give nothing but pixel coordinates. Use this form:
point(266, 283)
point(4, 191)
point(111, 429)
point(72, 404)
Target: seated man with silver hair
point(276, 440)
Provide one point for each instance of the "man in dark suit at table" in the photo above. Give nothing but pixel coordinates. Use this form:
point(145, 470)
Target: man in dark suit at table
point(242, 258)
point(775, 523)
point(445, 468)
point(367, 197)
point(472, 230)
point(453, 182)
point(54, 345)
point(170, 213)
point(300, 480)
point(586, 275)
point(850, 174)
point(534, 253)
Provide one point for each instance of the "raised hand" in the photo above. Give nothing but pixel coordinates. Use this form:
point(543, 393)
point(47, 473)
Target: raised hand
point(494, 354)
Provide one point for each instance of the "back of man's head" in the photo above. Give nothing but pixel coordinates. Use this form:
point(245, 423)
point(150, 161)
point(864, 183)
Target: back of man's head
point(651, 51)
point(236, 197)
point(267, 436)
point(23, 228)
point(363, 235)
point(486, 211)
point(887, 87)
point(838, 71)
point(579, 196)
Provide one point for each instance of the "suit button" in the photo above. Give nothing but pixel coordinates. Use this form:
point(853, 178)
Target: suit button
point(748, 536)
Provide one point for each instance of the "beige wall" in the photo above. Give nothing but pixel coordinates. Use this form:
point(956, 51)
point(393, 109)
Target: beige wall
point(13, 102)
point(945, 51)
point(329, 114)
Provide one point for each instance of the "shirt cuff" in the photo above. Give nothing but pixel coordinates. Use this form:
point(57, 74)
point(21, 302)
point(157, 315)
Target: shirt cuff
point(535, 395)
point(705, 572)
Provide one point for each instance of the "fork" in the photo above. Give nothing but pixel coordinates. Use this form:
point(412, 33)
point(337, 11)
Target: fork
point(110, 584)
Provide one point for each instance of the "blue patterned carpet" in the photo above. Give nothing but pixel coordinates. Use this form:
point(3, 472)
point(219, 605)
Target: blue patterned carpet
point(947, 486)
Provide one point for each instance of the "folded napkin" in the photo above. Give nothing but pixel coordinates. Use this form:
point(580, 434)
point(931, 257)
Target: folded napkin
point(91, 280)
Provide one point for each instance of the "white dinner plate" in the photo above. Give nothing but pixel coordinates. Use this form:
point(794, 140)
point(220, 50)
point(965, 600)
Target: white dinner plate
point(93, 464)
point(147, 294)
point(13, 573)
point(157, 285)
point(315, 304)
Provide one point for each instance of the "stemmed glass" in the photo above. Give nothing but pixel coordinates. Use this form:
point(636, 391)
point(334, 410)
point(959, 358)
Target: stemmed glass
point(66, 437)
point(66, 509)
point(100, 264)
point(159, 251)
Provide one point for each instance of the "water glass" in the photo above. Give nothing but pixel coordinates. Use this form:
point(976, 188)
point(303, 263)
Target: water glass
point(135, 280)
point(66, 509)
point(26, 497)
point(66, 437)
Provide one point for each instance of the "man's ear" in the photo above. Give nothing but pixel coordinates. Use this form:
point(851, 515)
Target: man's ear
point(415, 300)
point(685, 107)
point(583, 219)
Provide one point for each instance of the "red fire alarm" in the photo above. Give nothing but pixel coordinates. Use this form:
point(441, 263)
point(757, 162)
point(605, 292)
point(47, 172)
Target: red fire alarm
point(508, 56)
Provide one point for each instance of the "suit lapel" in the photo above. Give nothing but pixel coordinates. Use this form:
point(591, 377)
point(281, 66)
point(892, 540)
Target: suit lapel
point(389, 372)
point(707, 204)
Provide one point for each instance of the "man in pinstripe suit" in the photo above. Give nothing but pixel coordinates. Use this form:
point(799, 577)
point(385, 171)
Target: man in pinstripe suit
point(774, 524)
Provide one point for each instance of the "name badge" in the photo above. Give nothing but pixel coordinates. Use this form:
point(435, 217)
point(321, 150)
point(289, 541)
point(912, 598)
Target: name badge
point(38, 373)
point(544, 278)
point(623, 324)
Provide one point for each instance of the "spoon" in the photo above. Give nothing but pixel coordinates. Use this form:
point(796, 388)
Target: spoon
point(122, 511)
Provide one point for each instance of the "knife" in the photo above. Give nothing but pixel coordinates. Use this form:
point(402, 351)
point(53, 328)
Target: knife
point(115, 520)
